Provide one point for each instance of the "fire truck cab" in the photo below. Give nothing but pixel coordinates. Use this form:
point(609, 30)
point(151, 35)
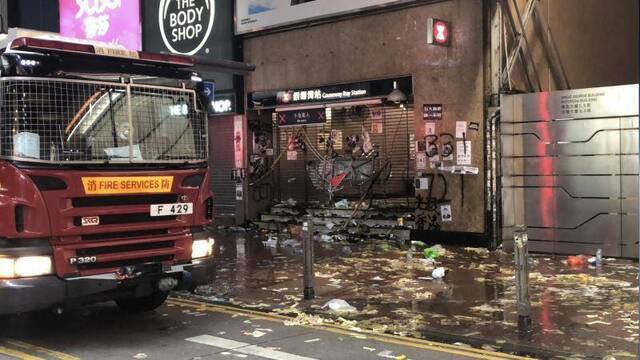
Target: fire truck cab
point(103, 176)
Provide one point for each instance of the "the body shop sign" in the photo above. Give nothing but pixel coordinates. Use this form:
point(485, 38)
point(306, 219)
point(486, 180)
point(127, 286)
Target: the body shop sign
point(185, 25)
point(112, 21)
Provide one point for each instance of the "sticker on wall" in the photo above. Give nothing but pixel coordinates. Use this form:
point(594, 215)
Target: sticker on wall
point(445, 213)
point(377, 113)
point(269, 152)
point(432, 112)
point(463, 152)
point(429, 129)
point(239, 192)
point(377, 127)
point(422, 184)
point(292, 155)
point(421, 161)
point(474, 126)
point(461, 129)
point(447, 152)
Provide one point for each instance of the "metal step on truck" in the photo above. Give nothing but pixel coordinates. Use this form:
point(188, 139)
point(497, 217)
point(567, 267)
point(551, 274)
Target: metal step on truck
point(103, 176)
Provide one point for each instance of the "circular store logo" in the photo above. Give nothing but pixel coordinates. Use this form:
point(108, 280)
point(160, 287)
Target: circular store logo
point(185, 25)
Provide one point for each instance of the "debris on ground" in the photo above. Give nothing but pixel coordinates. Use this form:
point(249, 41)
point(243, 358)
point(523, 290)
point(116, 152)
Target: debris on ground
point(433, 252)
point(291, 243)
point(339, 306)
point(271, 242)
point(342, 204)
point(388, 293)
point(438, 273)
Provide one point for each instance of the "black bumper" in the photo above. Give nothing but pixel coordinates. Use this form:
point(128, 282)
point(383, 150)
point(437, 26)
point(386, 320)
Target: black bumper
point(30, 294)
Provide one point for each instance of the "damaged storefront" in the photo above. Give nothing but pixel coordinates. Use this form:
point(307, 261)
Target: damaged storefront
point(379, 132)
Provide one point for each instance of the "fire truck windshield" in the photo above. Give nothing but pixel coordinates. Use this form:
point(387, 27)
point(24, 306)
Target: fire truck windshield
point(71, 121)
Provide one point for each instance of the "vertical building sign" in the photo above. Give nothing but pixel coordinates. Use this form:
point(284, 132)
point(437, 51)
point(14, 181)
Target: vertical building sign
point(112, 21)
point(238, 142)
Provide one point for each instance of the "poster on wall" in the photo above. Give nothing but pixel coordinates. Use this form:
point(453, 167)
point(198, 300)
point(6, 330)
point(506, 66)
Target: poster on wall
point(114, 22)
point(257, 15)
point(238, 142)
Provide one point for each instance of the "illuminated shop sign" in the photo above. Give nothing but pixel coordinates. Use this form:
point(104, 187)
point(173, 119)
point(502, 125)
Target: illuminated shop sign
point(257, 15)
point(185, 25)
point(438, 32)
point(224, 104)
point(330, 93)
point(324, 94)
point(112, 21)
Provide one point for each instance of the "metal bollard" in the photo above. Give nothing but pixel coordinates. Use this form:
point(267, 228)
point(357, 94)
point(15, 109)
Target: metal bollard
point(309, 275)
point(522, 278)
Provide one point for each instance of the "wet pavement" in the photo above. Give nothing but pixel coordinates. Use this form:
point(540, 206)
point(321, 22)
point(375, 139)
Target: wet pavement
point(183, 329)
point(584, 312)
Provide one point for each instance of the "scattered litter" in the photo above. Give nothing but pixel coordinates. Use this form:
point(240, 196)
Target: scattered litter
point(418, 243)
point(271, 242)
point(342, 204)
point(479, 251)
point(576, 262)
point(140, 356)
point(368, 349)
point(291, 202)
point(438, 273)
point(242, 356)
point(428, 261)
point(345, 251)
point(388, 354)
point(330, 225)
point(290, 243)
point(433, 252)
point(486, 308)
point(340, 306)
point(326, 238)
point(377, 278)
point(255, 333)
point(312, 340)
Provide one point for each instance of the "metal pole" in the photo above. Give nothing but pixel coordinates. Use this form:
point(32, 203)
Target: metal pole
point(522, 278)
point(309, 275)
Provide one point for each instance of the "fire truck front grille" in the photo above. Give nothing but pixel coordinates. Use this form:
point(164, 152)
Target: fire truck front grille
point(127, 262)
point(124, 200)
point(125, 235)
point(125, 248)
point(126, 219)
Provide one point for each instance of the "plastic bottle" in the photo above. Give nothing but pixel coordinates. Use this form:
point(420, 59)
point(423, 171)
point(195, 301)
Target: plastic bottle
point(599, 257)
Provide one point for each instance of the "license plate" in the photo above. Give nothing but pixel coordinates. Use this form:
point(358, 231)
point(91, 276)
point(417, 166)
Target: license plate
point(172, 209)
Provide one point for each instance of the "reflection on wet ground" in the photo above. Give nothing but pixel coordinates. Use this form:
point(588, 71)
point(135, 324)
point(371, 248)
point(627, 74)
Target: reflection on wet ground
point(589, 311)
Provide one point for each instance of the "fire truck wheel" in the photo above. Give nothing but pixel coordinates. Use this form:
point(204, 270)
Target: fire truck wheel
point(142, 304)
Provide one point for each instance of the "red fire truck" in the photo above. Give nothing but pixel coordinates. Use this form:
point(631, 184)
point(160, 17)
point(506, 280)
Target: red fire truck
point(103, 176)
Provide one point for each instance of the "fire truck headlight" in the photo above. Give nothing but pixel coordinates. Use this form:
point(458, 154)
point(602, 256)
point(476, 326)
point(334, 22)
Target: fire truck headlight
point(33, 266)
point(202, 248)
point(7, 268)
point(26, 266)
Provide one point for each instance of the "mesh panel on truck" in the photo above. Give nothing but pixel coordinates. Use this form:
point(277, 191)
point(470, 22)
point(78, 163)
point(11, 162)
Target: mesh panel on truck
point(71, 121)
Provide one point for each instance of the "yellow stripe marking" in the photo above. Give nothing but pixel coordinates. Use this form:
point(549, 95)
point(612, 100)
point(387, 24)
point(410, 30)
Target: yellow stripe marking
point(386, 338)
point(41, 350)
point(17, 354)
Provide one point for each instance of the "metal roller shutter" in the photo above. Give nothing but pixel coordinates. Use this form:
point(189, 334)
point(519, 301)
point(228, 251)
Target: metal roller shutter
point(299, 179)
point(221, 163)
